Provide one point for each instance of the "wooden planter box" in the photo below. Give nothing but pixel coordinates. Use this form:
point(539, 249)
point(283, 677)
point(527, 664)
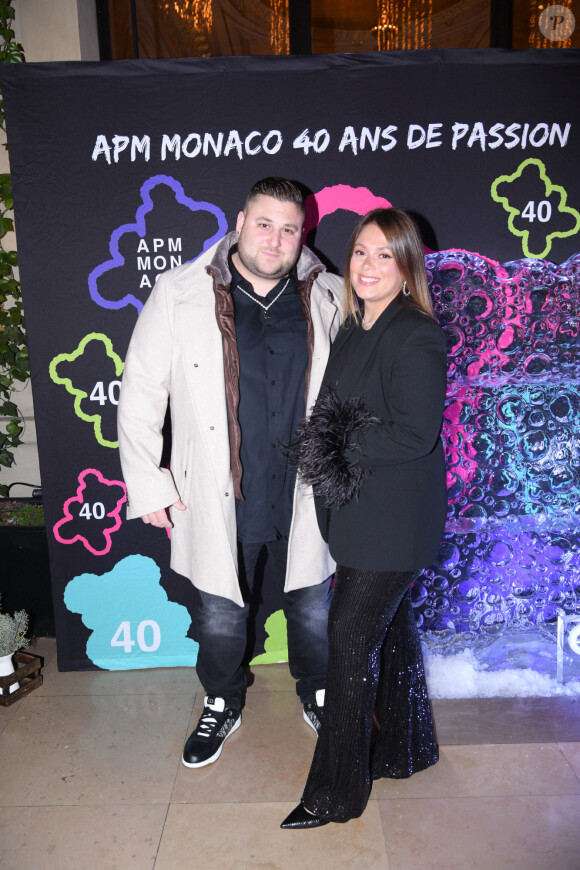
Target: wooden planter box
point(27, 673)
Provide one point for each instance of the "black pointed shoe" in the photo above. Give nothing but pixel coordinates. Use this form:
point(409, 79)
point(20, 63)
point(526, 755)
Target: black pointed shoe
point(301, 818)
point(216, 723)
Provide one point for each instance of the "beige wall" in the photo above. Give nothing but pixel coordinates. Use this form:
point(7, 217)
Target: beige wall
point(48, 30)
point(52, 30)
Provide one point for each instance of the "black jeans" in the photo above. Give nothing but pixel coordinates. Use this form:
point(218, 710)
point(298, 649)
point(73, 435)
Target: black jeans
point(222, 628)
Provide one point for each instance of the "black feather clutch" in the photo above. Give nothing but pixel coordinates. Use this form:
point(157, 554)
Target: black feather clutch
point(322, 447)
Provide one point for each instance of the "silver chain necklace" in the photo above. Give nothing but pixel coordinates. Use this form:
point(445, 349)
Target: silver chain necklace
point(261, 304)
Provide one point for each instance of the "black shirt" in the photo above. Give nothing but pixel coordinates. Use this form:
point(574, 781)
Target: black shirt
point(273, 354)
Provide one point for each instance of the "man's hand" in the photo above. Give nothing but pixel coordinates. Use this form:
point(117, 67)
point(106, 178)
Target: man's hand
point(160, 518)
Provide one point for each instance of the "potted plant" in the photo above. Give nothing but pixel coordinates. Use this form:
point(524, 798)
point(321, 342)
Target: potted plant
point(12, 638)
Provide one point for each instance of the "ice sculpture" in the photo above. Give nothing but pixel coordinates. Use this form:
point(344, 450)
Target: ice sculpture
point(510, 558)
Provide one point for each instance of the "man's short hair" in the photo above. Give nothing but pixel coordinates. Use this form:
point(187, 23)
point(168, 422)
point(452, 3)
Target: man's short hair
point(278, 188)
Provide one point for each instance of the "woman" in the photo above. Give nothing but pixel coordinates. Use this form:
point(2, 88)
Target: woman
point(373, 453)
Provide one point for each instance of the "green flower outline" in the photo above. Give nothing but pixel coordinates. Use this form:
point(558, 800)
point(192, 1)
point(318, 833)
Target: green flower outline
point(95, 419)
point(514, 212)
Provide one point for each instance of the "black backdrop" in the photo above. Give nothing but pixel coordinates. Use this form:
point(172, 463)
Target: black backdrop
point(123, 169)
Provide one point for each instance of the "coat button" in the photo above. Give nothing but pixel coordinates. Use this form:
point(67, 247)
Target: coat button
point(212, 428)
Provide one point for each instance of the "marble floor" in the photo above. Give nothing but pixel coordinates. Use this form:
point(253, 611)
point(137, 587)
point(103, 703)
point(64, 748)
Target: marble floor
point(90, 777)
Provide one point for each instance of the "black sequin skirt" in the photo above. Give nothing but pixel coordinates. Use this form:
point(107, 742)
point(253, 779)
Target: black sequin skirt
point(377, 719)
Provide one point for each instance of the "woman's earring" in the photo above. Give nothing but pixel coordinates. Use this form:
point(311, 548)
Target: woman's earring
point(406, 291)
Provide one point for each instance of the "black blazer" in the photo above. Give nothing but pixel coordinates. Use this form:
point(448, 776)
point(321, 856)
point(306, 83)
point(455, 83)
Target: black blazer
point(399, 368)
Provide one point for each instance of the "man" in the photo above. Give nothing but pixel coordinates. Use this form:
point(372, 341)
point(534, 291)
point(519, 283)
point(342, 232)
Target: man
point(238, 341)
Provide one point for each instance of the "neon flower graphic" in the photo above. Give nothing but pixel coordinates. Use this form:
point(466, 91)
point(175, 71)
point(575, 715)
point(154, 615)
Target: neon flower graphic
point(132, 622)
point(94, 510)
point(547, 215)
point(81, 394)
point(359, 200)
point(139, 226)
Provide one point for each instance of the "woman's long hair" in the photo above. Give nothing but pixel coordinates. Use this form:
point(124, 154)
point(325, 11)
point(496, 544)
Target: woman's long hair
point(402, 236)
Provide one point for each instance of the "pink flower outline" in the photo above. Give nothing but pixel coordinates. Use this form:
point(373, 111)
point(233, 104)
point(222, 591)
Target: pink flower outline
point(116, 513)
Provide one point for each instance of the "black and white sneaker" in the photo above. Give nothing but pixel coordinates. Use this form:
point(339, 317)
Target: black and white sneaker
point(313, 711)
point(216, 723)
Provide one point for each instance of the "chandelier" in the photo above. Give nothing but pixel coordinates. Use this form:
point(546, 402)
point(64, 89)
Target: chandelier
point(403, 24)
point(198, 12)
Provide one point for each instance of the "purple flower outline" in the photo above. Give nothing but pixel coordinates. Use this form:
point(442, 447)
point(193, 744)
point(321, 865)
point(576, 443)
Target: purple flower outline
point(140, 227)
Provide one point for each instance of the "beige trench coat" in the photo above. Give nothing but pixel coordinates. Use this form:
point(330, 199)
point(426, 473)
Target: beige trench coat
point(176, 351)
